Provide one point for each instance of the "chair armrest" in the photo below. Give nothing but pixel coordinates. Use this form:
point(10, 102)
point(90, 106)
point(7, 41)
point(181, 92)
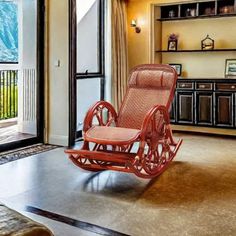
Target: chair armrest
point(103, 112)
point(155, 124)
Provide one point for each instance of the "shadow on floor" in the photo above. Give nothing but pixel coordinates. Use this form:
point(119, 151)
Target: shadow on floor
point(181, 183)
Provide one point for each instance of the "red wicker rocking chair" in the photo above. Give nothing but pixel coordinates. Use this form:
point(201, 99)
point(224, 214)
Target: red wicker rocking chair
point(139, 138)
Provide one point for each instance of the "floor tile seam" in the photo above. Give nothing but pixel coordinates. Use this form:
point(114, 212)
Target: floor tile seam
point(86, 226)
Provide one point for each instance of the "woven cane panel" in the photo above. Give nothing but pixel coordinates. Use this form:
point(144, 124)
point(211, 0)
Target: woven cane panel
point(104, 134)
point(152, 78)
point(137, 103)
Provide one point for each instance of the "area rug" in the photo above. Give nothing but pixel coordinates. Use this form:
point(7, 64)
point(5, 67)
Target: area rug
point(19, 153)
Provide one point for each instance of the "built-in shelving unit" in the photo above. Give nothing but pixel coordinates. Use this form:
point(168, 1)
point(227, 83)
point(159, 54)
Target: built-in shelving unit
point(218, 18)
point(203, 51)
point(205, 96)
point(198, 10)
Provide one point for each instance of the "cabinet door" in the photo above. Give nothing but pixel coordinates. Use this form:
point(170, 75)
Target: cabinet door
point(185, 107)
point(235, 110)
point(224, 114)
point(173, 111)
point(204, 108)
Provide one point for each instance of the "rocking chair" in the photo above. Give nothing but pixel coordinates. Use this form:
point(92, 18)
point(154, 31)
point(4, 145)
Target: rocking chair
point(139, 138)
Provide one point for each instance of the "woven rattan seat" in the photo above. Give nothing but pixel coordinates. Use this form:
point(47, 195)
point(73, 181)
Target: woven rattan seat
point(111, 135)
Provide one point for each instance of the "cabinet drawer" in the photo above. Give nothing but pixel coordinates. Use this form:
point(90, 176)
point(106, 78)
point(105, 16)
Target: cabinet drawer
point(204, 86)
point(185, 85)
point(226, 87)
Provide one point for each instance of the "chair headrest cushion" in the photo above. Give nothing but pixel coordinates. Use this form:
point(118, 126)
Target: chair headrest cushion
point(152, 76)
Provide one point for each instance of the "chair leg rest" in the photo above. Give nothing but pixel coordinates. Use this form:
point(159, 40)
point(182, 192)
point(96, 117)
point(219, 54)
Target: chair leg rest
point(123, 165)
point(99, 167)
point(84, 167)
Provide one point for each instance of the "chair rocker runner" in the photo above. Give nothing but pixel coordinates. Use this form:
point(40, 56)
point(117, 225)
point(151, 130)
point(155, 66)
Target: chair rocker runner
point(139, 138)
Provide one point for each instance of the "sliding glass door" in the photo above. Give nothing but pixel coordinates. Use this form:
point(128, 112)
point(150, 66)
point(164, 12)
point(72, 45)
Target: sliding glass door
point(21, 72)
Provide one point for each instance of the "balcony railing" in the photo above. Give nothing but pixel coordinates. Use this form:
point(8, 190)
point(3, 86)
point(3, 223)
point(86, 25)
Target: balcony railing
point(8, 94)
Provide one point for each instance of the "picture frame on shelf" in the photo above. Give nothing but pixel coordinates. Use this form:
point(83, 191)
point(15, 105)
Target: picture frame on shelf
point(172, 42)
point(177, 67)
point(172, 45)
point(230, 68)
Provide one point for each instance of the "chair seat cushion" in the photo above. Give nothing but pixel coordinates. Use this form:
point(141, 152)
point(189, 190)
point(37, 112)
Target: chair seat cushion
point(111, 135)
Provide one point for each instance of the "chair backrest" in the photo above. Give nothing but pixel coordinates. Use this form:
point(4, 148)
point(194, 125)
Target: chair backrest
point(148, 85)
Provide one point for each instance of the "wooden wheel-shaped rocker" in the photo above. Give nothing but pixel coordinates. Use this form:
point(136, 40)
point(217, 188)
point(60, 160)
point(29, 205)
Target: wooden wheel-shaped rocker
point(139, 138)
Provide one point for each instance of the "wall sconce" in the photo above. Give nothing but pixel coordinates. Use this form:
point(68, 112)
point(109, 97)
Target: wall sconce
point(134, 25)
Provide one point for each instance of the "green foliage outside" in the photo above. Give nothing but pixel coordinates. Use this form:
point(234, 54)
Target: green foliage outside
point(8, 94)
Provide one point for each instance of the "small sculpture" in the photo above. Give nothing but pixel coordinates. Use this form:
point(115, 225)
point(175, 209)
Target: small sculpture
point(207, 43)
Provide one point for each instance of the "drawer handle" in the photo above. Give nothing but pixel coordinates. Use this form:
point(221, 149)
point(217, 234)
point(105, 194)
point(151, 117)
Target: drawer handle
point(233, 87)
point(202, 86)
point(183, 86)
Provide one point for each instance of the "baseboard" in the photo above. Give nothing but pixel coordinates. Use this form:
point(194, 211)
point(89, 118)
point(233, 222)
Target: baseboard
point(58, 140)
point(204, 130)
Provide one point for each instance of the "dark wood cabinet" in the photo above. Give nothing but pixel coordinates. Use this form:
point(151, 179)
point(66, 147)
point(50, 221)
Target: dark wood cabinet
point(185, 107)
point(224, 112)
point(173, 111)
point(204, 108)
point(210, 103)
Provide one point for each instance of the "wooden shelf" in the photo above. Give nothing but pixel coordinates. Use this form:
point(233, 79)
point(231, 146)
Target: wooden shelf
point(199, 50)
point(208, 79)
point(197, 17)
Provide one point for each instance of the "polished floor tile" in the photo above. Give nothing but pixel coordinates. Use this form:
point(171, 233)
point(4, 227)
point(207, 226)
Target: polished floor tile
point(195, 196)
point(59, 228)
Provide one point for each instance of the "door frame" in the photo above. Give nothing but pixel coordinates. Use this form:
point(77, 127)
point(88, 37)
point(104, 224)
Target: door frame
point(72, 72)
point(40, 84)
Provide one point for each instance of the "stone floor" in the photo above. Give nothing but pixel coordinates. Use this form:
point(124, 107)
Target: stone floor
point(9, 132)
point(195, 196)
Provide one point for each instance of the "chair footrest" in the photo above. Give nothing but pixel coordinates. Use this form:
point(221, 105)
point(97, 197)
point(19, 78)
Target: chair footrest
point(117, 157)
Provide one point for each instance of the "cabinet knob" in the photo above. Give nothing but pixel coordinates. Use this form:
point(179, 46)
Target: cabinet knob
point(202, 86)
point(233, 87)
point(183, 85)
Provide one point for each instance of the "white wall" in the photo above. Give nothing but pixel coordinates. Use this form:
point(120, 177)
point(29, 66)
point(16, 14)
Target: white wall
point(58, 49)
point(57, 77)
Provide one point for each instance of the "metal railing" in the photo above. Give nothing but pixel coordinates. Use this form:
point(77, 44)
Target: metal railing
point(8, 94)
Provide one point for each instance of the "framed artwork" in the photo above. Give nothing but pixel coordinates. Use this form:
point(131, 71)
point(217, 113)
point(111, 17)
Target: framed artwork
point(172, 45)
point(178, 68)
point(230, 68)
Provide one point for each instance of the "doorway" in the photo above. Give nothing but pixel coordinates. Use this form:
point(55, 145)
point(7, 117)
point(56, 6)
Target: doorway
point(21, 73)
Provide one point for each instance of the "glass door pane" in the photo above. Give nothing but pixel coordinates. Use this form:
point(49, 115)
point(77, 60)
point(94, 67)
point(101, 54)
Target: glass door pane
point(88, 92)
point(88, 36)
point(89, 57)
point(18, 70)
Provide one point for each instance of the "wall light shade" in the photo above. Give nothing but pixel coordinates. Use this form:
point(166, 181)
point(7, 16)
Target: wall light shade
point(134, 25)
